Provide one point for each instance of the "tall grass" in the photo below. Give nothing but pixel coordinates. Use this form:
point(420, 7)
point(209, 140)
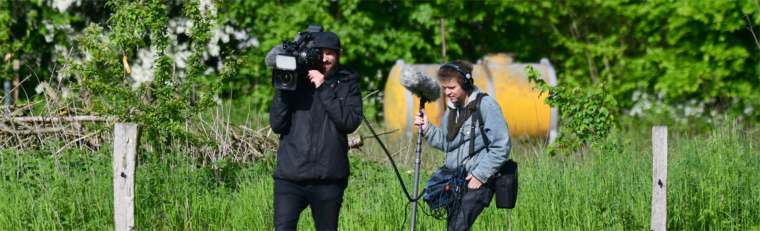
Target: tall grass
point(714, 183)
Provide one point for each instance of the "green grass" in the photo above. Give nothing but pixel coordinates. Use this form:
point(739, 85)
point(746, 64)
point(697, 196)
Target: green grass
point(713, 177)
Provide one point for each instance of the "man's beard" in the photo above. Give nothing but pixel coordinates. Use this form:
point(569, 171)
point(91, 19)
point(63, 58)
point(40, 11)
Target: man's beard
point(329, 73)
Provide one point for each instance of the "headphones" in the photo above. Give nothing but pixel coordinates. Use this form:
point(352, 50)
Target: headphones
point(467, 82)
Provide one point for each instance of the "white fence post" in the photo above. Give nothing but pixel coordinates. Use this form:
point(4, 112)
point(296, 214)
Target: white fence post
point(659, 178)
point(124, 149)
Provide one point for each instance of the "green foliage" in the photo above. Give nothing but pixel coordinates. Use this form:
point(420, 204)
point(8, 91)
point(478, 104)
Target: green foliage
point(25, 34)
point(586, 115)
point(682, 50)
point(373, 36)
point(679, 51)
point(164, 104)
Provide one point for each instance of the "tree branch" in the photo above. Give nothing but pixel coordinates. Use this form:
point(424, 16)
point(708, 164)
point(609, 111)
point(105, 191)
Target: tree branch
point(750, 28)
point(57, 119)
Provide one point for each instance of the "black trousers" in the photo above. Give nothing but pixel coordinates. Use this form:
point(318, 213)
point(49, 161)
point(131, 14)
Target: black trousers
point(472, 204)
point(291, 198)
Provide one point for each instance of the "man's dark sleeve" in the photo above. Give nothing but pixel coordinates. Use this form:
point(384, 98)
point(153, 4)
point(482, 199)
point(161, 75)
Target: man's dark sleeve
point(280, 112)
point(345, 113)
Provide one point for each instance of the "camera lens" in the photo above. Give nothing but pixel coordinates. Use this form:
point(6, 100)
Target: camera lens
point(286, 78)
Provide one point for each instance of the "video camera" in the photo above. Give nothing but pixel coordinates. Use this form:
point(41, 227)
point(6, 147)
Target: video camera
point(297, 58)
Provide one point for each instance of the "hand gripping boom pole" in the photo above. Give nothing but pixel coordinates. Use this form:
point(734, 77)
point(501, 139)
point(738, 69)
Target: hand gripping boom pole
point(417, 167)
point(428, 89)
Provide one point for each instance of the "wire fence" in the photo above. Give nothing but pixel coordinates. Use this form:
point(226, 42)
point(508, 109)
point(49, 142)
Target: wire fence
point(361, 180)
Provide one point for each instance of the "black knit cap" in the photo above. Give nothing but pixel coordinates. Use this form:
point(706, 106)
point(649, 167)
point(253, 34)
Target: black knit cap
point(327, 39)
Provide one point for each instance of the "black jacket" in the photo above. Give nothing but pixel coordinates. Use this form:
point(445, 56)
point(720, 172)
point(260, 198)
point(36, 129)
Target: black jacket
point(313, 125)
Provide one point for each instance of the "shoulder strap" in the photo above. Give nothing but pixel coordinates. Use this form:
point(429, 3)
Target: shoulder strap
point(477, 117)
point(482, 124)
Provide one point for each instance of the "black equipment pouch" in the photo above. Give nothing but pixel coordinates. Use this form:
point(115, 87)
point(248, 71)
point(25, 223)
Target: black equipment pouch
point(506, 179)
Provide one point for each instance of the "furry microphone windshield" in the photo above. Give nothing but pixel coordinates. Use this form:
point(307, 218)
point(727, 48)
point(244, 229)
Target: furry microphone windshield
point(420, 84)
point(272, 56)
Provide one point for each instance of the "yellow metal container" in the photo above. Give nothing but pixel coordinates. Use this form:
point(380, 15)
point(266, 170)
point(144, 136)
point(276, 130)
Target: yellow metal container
point(525, 112)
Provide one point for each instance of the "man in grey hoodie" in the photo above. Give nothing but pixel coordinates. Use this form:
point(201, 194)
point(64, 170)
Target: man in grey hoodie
point(453, 138)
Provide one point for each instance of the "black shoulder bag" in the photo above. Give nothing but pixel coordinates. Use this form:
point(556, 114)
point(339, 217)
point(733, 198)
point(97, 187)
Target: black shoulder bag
point(506, 178)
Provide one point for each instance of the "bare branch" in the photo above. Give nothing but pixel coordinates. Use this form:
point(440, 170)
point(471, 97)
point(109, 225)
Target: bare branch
point(6, 129)
point(16, 87)
point(374, 92)
point(380, 134)
point(72, 142)
point(750, 29)
point(40, 119)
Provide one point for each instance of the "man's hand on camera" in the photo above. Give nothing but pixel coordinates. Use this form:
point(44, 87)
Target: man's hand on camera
point(316, 77)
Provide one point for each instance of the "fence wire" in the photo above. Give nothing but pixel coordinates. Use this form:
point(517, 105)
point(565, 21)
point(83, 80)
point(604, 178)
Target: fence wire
point(20, 176)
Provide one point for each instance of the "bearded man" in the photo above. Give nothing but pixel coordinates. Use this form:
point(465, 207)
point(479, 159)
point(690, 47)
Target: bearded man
point(313, 122)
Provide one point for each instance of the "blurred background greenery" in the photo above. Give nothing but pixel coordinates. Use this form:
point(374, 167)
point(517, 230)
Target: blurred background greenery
point(672, 62)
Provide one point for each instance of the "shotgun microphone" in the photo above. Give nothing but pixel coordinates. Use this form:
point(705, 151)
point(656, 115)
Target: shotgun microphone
point(271, 58)
point(420, 84)
point(427, 89)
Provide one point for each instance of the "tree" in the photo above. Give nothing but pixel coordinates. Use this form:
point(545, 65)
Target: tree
point(27, 33)
point(165, 102)
point(658, 48)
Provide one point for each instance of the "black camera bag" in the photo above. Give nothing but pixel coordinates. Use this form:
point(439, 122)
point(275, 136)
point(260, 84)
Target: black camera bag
point(506, 179)
point(506, 186)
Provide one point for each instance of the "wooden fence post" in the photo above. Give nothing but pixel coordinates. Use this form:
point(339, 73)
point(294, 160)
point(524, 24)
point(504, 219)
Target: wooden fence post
point(124, 149)
point(659, 178)
point(16, 80)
